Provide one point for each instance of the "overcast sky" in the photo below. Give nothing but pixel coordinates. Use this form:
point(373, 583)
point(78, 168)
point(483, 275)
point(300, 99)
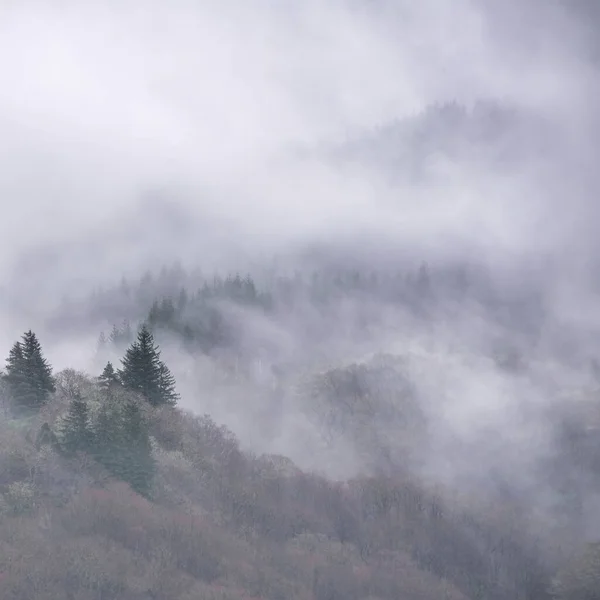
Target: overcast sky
point(102, 102)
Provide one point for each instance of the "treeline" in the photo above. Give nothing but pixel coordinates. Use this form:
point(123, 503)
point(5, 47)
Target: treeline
point(205, 313)
point(109, 426)
point(417, 287)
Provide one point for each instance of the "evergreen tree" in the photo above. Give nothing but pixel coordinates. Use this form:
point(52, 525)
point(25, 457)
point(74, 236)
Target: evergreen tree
point(28, 373)
point(40, 370)
point(76, 433)
point(162, 314)
point(109, 378)
point(108, 442)
point(138, 465)
point(122, 336)
point(16, 376)
point(166, 384)
point(141, 367)
point(143, 371)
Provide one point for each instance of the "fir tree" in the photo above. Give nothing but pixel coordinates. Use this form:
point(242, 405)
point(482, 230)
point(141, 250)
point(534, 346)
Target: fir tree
point(143, 371)
point(108, 439)
point(138, 465)
point(166, 383)
point(40, 370)
point(28, 374)
point(141, 366)
point(16, 376)
point(108, 378)
point(76, 433)
point(122, 336)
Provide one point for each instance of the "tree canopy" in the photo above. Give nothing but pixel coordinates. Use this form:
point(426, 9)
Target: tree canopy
point(28, 374)
point(144, 372)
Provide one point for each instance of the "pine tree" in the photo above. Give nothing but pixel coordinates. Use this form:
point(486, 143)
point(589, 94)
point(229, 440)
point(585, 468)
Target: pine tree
point(76, 433)
point(40, 369)
point(138, 464)
point(109, 378)
point(120, 337)
point(141, 367)
point(16, 376)
point(166, 384)
point(108, 442)
point(28, 373)
point(143, 371)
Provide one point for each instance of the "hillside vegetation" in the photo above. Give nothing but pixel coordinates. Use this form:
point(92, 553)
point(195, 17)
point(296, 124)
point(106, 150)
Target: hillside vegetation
point(109, 490)
point(218, 523)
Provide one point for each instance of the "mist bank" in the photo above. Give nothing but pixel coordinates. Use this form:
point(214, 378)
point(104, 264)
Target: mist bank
point(471, 384)
point(208, 108)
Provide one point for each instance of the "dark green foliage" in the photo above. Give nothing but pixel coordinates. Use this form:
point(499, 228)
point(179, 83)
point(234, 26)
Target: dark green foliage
point(141, 366)
point(28, 374)
point(121, 443)
point(198, 318)
point(108, 377)
point(145, 373)
point(76, 432)
point(108, 439)
point(39, 370)
point(16, 375)
point(161, 313)
point(118, 438)
point(166, 385)
point(137, 462)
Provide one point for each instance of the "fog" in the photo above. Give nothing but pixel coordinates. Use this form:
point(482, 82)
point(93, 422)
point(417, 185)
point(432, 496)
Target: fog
point(133, 134)
point(101, 105)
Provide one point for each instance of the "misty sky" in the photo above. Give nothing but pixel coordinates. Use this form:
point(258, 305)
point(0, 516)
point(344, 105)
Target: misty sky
point(103, 103)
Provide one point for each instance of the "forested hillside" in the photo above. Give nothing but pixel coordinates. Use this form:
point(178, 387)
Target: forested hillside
point(111, 490)
point(299, 300)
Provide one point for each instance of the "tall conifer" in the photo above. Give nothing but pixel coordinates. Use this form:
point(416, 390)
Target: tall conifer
point(28, 374)
point(166, 383)
point(138, 464)
point(76, 432)
point(108, 378)
point(143, 371)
